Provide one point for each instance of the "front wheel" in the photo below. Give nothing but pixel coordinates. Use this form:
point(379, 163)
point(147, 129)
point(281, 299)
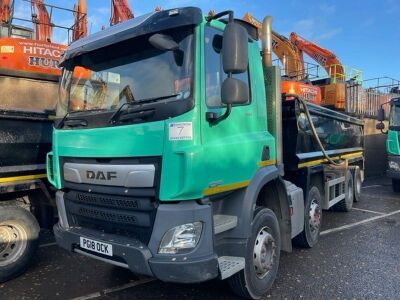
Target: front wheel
point(19, 233)
point(262, 257)
point(396, 185)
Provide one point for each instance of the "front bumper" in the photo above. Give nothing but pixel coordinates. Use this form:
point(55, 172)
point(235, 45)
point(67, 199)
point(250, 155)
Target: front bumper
point(201, 264)
point(391, 173)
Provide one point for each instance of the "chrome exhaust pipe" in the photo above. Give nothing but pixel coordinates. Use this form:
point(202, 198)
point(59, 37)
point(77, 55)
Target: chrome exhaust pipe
point(272, 79)
point(267, 41)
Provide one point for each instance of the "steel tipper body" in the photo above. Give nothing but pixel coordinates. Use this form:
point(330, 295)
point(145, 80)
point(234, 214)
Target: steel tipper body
point(29, 76)
point(167, 153)
point(28, 83)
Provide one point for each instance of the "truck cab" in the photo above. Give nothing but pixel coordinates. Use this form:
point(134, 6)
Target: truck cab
point(392, 141)
point(167, 153)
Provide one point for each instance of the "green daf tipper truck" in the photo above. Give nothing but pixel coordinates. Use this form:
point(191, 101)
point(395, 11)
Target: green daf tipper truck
point(176, 156)
point(392, 141)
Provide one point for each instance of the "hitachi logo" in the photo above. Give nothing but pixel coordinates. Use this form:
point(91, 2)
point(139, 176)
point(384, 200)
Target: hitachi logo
point(100, 175)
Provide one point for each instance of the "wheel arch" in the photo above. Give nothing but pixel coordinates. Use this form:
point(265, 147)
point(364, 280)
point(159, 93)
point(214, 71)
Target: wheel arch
point(268, 190)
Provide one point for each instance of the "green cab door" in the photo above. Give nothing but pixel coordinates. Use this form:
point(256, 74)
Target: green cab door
point(233, 148)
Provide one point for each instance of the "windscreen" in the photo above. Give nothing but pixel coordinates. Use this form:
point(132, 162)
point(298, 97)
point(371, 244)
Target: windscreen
point(128, 72)
point(395, 115)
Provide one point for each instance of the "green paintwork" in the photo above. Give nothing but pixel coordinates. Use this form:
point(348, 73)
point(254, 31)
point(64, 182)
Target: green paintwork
point(226, 153)
point(392, 143)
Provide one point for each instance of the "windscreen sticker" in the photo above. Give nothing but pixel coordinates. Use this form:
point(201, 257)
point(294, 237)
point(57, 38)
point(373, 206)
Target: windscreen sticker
point(182, 131)
point(114, 78)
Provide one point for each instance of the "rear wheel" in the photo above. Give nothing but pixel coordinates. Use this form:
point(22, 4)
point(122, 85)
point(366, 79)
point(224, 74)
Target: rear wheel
point(357, 184)
point(19, 232)
point(347, 203)
point(396, 185)
point(312, 220)
point(262, 257)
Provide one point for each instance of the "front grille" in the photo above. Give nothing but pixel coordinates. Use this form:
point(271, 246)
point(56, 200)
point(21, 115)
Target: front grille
point(127, 212)
point(103, 215)
point(128, 203)
point(126, 216)
point(112, 201)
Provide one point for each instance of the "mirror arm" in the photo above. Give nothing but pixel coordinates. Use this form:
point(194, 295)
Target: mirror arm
point(220, 15)
point(215, 120)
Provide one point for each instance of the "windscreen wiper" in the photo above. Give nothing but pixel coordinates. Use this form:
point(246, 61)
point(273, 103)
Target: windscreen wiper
point(62, 122)
point(115, 116)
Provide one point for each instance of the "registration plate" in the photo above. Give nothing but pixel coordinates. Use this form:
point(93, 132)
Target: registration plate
point(96, 246)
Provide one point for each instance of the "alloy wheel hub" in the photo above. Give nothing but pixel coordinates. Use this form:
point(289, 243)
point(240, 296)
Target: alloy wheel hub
point(315, 217)
point(13, 242)
point(264, 253)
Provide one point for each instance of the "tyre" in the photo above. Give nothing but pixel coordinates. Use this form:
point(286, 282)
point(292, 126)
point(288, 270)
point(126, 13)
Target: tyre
point(262, 257)
point(19, 232)
point(347, 203)
point(396, 185)
point(312, 220)
point(357, 184)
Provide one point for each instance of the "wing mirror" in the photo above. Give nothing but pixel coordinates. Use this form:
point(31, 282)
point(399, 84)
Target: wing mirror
point(234, 92)
point(235, 58)
point(380, 116)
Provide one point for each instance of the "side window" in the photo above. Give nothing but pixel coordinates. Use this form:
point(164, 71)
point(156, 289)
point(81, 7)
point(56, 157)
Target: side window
point(213, 70)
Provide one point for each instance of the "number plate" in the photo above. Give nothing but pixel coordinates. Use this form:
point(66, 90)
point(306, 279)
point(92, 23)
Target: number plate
point(96, 246)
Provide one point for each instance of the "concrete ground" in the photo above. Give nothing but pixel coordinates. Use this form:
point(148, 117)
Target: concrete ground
point(358, 257)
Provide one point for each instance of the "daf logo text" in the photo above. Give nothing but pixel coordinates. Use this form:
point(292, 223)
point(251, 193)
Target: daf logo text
point(100, 175)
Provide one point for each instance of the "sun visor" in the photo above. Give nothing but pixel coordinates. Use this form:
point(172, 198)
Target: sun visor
point(138, 26)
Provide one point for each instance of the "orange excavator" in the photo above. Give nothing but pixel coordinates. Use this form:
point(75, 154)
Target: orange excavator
point(334, 88)
point(120, 11)
point(294, 79)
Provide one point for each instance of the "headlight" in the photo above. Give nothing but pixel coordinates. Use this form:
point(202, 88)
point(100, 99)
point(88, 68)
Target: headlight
point(181, 238)
point(394, 165)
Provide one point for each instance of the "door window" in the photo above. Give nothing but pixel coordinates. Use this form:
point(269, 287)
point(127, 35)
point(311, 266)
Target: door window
point(214, 72)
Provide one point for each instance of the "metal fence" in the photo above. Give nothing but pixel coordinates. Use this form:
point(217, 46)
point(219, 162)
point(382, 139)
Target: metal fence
point(365, 101)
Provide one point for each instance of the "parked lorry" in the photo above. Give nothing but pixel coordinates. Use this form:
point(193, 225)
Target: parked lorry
point(175, 155)
point(29, 76)
point(392, 141)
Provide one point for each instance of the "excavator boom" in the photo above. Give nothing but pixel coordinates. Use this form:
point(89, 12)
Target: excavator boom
point(5, 11)
point(41, 21)
point(120, 11)
point(324, 57)
point(80, 24)
point(333, 91)
point(293, 63)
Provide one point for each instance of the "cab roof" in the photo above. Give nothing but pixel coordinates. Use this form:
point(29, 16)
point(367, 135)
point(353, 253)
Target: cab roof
point(139, 26)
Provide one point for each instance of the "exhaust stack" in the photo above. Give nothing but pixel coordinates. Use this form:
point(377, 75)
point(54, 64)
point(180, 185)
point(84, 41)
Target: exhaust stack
point(267, 41)
point(272, 79)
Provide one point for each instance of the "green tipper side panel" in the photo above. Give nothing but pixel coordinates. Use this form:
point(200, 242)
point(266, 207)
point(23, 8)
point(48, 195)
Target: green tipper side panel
point(392, 143)
point(217, 158)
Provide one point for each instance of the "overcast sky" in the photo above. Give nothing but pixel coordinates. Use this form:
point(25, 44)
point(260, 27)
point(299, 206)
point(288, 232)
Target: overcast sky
point(363, 34)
